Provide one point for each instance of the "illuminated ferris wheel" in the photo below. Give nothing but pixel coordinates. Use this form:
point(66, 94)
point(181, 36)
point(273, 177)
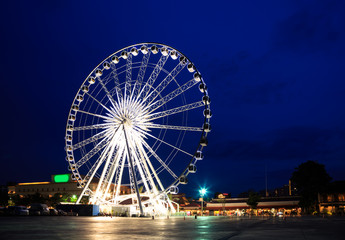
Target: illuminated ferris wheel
point(137, 128)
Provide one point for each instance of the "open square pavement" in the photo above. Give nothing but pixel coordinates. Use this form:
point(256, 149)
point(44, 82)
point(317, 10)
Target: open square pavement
point(174, 228)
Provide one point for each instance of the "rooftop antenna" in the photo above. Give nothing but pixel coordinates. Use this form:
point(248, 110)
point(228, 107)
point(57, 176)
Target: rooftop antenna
point(266, 177)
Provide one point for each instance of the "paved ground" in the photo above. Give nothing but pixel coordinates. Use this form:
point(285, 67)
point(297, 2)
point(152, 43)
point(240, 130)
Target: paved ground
point(105, 228)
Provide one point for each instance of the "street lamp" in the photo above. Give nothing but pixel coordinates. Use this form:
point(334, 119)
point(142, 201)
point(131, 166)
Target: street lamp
point(202, 192)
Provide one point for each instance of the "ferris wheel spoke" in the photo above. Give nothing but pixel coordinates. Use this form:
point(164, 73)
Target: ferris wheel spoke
point(90, 175)
point(93, 169)
point(141, 74)
point(113, 166)
point(99, 103)
point(110, 97)
point(103, 143)
point(181, 128)
point(153, 106)
point(184, 108)
point(144, 156)
point(107, 79)
point(115, 110)
point(107, 164)
point(118, 92)
point(97, 115)
point(128, 76)
point(170, 145)
point(131, 177)
point(118, 175)
point(148, 85)
point(114, 76)
point(144, 175)
point(146, 162)
point(135, 107)
point(109, 172)
point(132, 170)
point(95, 126)
point(92, 152)
point(91, 139)
point(160, 160)
point(163, 84)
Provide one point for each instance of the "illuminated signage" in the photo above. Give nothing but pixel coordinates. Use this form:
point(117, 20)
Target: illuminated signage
point(61, 178)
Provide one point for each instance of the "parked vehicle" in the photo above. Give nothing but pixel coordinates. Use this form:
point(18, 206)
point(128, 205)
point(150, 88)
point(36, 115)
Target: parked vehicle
point(2, 211)
point(17, 211)
point(53, 212)
point(39, 209)
point(280, 214)
point(62, 213)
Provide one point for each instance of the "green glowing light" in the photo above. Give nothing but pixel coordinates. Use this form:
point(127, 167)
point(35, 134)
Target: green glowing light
point(74, 198)
point(61, 178)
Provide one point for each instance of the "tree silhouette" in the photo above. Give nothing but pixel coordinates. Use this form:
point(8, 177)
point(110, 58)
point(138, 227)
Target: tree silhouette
point(253, 199)
point(3, 198)
point(310, 178)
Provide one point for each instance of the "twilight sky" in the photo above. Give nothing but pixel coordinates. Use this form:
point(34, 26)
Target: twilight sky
point(275, 72)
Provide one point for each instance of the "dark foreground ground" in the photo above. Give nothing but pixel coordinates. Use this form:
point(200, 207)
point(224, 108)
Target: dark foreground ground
point(105, 228)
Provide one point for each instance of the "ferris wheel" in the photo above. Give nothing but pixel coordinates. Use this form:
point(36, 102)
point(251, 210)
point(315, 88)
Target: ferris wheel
point(137, 127)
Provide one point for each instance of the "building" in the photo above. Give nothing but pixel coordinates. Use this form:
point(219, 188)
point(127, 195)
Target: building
point(266, 205)
point(188, 206)
point(286, 190)
point(60, 183)
point(332, 201)
point(63, 184)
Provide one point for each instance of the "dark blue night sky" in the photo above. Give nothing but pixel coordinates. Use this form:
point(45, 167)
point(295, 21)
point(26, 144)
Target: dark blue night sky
point(274, 69)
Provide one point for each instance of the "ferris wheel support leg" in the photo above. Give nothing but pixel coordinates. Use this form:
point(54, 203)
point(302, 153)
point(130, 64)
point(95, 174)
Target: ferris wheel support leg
point(171, 206)
point(118, 180)
point(135, 179)
point(93, 174)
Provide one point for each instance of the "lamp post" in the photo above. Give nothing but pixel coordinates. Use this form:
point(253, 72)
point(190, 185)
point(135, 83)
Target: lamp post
point(202, 192)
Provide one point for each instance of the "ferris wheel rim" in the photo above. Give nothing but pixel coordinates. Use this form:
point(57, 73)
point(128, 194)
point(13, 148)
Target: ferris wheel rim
point(205, 93)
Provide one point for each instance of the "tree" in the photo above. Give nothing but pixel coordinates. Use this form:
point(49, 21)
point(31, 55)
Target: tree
point(66, 197)
point(245, 194)
point(55, 199)
point(17, 200)
point(253, 199)
point(3, 198)
point(310, 178)
point(216, 194)
point(37, 198)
